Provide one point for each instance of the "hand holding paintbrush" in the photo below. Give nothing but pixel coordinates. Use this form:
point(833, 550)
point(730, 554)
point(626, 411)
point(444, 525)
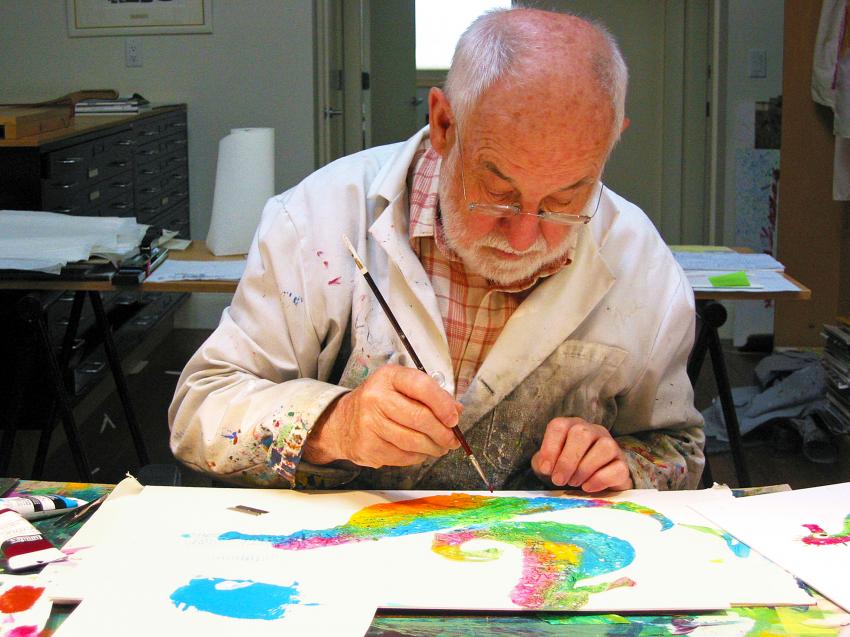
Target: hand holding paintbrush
point(418, 363)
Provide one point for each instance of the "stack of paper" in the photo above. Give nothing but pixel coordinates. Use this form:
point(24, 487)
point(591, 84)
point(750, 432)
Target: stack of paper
point(836, 361)
point(46, 241)
point(762, 272)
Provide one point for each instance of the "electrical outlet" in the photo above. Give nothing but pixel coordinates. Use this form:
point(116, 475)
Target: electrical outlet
point(758, 63)
point(133, 52)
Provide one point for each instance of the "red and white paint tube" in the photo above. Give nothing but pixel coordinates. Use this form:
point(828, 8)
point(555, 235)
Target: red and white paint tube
point(22, 544)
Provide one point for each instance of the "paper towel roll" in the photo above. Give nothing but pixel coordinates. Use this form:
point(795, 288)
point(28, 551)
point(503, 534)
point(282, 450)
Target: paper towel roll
point(244, 181)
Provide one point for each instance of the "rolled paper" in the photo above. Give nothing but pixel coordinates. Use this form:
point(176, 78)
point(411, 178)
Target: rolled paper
point(244, 181)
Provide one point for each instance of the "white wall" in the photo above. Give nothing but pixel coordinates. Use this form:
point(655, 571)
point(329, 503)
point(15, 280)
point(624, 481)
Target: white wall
point(255, 69)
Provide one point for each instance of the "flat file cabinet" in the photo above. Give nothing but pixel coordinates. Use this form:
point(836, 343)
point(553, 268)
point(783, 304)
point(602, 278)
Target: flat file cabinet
point(102, 165)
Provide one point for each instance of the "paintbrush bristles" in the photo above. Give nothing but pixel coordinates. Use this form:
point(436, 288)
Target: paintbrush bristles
point(357, 261)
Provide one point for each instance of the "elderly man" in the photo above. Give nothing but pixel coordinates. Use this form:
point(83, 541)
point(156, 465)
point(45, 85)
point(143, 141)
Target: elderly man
point(548, 306)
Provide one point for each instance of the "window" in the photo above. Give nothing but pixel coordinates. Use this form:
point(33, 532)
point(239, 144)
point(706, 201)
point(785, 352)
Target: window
point(439, 24)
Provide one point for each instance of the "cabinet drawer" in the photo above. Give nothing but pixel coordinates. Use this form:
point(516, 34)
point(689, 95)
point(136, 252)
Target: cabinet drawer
point(89, 161)
point(85, 198)
point(177, 218)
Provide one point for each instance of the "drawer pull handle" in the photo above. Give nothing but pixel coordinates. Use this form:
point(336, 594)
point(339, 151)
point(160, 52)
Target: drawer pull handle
point(64, 211)
point(71, 160)
point(149, 171)
point(149, 152)
point(92, 368)
point(73, 184)
point(124, 142)
point(121, 184)
point(119, 164)
point(148, 133)
point(119, 206)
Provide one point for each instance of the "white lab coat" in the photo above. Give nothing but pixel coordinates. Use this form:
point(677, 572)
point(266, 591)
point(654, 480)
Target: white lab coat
point(606, 338)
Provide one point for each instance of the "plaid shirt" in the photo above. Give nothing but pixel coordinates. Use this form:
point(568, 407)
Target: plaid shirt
point(474, 309)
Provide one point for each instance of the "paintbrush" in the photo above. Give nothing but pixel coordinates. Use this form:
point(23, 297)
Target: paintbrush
point(418, 363)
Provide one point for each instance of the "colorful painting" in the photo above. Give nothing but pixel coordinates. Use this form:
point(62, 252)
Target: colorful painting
point(24, 607)
point(555, 556)
point(432, 550)
point(819, 537)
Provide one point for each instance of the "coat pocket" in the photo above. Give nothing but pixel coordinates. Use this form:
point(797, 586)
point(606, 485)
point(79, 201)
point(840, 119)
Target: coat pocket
point(573, 381)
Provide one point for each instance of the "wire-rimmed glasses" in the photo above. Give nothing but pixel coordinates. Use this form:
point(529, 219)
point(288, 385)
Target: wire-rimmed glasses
point(514, 209)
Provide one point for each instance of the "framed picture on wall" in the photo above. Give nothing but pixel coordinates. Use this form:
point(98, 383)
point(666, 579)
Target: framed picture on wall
point(137, 17)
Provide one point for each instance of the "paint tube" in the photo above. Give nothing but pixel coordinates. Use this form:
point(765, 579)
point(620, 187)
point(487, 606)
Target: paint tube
point(22, 544)
point(33, 507)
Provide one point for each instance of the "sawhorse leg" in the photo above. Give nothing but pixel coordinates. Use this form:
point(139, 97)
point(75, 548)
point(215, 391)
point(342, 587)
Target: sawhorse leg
point(31, 311)
point(118, 375)
point(712, 315)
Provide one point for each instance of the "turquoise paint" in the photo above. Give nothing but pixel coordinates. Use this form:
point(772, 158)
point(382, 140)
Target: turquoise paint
point(240, 599)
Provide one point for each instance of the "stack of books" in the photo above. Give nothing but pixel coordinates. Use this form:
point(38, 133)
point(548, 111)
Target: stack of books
point(111, 106)
point(836, 361)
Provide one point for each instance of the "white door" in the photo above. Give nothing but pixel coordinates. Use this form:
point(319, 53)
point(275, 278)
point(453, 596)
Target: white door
point(392, 62)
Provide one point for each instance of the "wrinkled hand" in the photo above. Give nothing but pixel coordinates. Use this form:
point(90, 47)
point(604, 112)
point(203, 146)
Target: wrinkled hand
point(397, 417)
point(577, 453)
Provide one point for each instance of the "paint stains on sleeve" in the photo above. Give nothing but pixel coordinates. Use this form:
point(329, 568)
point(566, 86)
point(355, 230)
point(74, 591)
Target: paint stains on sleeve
point(321, 254)
point(335, 281)
point(296, 299)
point(233, 436)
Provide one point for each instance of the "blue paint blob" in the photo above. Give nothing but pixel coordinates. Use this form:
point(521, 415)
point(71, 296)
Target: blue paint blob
point(240, 599)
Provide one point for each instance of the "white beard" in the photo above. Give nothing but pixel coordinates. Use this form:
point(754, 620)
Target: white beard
point(475, 253)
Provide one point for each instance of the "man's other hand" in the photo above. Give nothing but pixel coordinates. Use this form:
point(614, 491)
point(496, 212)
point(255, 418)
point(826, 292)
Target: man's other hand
point(577, 453)
point(397, 417)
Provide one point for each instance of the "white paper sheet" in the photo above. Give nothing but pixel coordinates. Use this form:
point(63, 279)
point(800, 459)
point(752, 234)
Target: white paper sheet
point(760, 281)
point(164, 603)
point(441, 550)
point(37, 240)
point(782, 526)
point(176, 270)
point(727, 261)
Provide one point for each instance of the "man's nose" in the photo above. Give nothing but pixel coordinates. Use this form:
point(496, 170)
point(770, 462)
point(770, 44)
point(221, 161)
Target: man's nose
point(522, 231)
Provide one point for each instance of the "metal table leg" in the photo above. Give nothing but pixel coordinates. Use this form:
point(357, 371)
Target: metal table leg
point(712, 316)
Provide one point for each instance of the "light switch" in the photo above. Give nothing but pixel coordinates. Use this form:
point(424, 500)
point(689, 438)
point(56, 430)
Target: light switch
point(758, 63)
point(133, 52)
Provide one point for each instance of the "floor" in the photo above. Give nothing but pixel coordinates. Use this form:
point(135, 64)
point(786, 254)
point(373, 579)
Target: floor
point(111, 453)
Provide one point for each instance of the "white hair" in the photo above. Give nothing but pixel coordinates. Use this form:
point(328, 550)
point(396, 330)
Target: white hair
point(489, 50)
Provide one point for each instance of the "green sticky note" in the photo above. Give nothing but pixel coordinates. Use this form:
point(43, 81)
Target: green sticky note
point(730, 280)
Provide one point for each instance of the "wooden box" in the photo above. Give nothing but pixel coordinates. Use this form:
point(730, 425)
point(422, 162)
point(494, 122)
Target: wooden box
point(20, 122)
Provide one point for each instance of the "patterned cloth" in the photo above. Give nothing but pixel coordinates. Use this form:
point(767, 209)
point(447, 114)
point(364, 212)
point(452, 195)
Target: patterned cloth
point(474, 309)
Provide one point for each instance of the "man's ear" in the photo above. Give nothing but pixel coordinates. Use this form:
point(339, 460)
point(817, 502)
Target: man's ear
point(440, 120)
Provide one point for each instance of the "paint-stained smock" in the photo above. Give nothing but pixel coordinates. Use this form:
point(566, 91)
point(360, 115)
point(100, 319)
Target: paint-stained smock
point(606, 338)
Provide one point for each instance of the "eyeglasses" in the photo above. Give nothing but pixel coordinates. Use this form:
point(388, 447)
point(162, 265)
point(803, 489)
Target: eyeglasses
point(512, 210)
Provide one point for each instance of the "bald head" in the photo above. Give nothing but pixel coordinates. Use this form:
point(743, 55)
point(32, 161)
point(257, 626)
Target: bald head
point(567, 63)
